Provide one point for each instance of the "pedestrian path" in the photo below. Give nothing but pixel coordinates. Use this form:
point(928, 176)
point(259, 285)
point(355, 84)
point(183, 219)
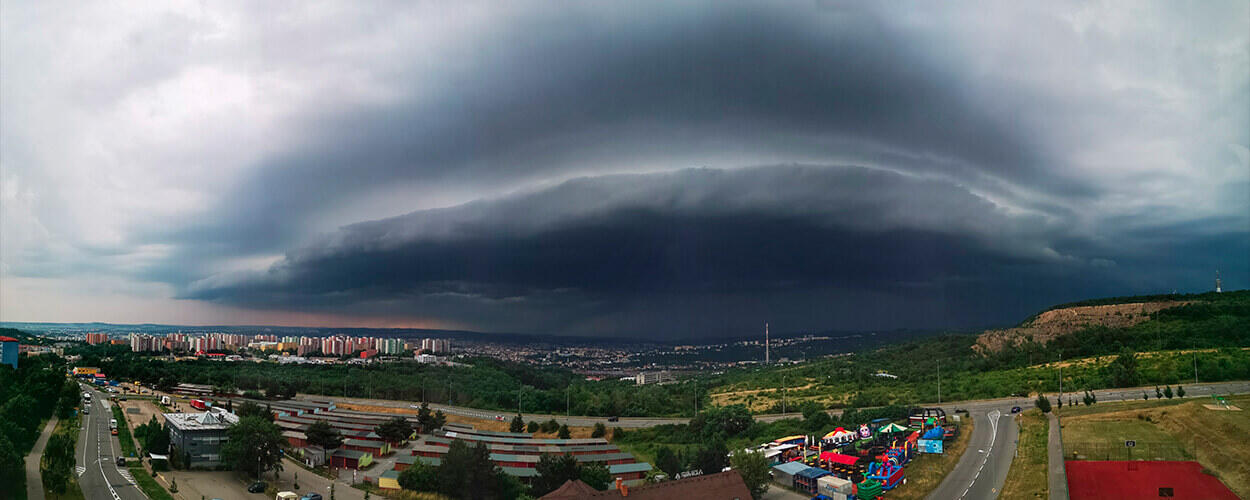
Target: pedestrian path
point(1056, 477)
point(34, 484)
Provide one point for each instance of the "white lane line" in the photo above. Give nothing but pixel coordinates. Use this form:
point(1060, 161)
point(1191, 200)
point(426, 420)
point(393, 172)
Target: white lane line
point(993, 416)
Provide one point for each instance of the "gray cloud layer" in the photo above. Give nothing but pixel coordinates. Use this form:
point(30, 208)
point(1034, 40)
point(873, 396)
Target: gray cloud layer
point(1049, 151)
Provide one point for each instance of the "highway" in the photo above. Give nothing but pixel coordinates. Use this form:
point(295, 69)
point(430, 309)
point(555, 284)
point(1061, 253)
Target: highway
point(98, 474)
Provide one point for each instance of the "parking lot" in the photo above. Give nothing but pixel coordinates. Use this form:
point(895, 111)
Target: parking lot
point(226, 485)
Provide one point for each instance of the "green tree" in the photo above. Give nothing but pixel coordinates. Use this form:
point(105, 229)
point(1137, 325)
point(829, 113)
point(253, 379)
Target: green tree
point(439, 419)
point(754, 470)
point(517, 425)
point(12, 467)
point(564, 432)
point(1122, 371)
point(1180, 391)
point(532, 427)
point(395, 430)
point(1088, 400)
point(1167, 392)
point(321, 434)
point(713, 457)
point(255, 446)
point(599, 431)
point(419, 477)
point(596, 475)
point(668, 461)
point(1042, 403)
point(551, 426)
point(250, 409)
point(1158, 393)
point(424, 418)
point(553, 470)
point(468, 472)
point(727, 421)
point(57, 462)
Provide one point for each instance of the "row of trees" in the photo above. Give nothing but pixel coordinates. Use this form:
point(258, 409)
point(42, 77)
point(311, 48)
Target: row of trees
point(29, 395)
point(465, 472)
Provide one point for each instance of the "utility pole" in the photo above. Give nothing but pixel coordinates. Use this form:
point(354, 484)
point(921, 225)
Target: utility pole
point(1061, 374)
point(518, 399)
point(1195, 365)
point(783, 394)
point(939, 361)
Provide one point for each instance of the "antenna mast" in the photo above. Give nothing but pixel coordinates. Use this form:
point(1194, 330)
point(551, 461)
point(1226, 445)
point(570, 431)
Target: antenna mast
point(1217, 282)
point(767, 355)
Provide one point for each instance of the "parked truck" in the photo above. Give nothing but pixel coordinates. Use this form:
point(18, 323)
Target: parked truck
point(201, 404)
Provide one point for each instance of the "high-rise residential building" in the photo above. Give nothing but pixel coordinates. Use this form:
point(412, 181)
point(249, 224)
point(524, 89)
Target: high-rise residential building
point(436, 345)
point(97, 338)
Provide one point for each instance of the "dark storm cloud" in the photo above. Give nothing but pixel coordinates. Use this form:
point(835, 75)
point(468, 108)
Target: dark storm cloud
point(560, 92)
point(587, 249)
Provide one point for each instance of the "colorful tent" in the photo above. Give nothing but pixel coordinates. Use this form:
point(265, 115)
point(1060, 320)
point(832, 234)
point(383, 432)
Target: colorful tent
point(891, 428)
point(838, 435)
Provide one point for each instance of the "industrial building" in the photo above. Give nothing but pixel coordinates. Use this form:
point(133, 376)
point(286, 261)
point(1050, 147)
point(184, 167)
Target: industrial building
point(196, 438)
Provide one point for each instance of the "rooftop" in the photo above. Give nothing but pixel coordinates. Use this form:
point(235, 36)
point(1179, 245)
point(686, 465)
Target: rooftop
point(202, 421)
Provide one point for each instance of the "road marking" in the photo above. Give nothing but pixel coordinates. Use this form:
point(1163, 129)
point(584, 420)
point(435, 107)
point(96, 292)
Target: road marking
point(989, 450)
point(81, 470)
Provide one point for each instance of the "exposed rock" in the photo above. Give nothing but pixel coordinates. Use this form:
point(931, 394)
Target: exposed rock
point(1056, 322)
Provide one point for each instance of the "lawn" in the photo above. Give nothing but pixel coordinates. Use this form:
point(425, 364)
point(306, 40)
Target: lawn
point(1028, 475)
point(148, 484)
point(1103, 436)
point(926, 471)
point(123, 432)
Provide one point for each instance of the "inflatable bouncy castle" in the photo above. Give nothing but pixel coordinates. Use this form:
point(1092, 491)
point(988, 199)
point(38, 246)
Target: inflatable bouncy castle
point(887, 471)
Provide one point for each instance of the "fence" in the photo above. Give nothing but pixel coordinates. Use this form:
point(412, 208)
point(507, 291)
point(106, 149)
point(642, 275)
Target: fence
point(1144, 450)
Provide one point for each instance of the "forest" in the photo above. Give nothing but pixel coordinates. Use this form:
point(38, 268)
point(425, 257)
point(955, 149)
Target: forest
point(29, 396)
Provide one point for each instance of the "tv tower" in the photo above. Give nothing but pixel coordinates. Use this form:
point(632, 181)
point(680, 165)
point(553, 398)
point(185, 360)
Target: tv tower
point(767, 359)
point(1217, 281)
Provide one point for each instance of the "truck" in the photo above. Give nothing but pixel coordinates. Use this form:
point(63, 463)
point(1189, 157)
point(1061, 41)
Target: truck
point(200, 404)
point(165, 400)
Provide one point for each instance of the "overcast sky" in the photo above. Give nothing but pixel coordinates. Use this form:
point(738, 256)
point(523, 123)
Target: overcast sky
point(660, 170)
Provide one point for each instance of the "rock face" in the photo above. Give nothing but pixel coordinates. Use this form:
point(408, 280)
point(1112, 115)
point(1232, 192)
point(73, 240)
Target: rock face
point(1054, 323)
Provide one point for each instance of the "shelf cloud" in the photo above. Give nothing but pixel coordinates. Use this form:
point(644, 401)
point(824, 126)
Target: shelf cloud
point(643, 169)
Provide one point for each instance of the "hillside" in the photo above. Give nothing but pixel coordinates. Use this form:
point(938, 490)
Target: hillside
point(1166, 336)
point(1056, 322)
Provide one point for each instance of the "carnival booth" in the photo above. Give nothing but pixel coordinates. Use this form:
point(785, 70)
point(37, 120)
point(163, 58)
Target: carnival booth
point(805, 480)
point(843, 466)
point(839, 437)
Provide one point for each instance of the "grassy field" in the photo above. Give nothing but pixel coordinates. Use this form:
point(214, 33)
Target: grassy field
point(1028, 474)
point(149, 485)
point(926, 471)
point(123, 432)
point(1185, 428)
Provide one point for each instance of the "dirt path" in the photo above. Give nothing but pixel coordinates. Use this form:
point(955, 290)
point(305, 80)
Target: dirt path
point(34, 482)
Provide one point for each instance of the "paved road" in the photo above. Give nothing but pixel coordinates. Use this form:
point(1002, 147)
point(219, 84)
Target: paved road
point(34, 479)
point(983, 468)
point(1240, 387)
point(98, 474)
point(1056, 475)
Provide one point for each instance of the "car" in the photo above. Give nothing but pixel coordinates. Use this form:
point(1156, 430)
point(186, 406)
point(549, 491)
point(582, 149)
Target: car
point(311, 496)
point(257, 487)
point(614, 419)
point(114, 432)
point(1015, 409)
point(121, 461)
point(499, 418)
